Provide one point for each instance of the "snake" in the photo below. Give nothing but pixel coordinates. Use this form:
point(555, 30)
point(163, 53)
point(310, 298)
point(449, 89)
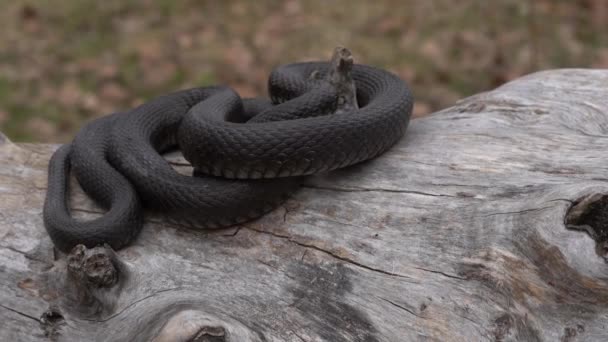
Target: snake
point(248, 155)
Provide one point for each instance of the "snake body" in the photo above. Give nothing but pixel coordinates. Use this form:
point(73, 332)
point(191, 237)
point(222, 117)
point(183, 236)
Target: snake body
point(248, 155)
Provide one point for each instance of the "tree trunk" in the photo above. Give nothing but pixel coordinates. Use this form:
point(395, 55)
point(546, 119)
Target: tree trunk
point(488, 221)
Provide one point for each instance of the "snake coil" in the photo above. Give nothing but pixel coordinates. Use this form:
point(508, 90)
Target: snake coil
point(248, 154)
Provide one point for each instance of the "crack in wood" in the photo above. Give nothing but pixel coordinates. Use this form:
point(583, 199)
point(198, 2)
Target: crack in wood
point(588, 134)
point(402, 307)
point(327, 219)
point(27, 255)
point(276, 269)
point(298, 336)
point(236, 231)
point(517, 212)
point(317, 248)
point(452, 276)
point(20, 313)
point(285, 214)
point(356, 189)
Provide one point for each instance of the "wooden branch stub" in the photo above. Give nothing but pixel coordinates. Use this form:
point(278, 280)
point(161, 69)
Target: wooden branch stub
point(93, 281)
point(93, 267)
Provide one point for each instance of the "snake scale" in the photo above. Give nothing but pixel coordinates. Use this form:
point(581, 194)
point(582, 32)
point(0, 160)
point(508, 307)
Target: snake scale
point(249, 155)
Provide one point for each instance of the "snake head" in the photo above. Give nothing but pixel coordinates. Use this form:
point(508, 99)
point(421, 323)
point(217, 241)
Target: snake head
point(340, 77)
point(341, 63)
point(342, 60)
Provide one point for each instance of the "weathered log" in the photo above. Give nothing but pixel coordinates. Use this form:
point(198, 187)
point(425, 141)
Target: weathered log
point(459, 233)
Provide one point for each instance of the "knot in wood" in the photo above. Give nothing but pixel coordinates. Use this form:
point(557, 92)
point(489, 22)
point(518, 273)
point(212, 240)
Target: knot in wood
point(590, 214)
point(95, 265)
point(210, 334)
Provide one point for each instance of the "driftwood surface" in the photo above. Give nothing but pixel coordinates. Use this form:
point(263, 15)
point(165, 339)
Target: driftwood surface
point(487, 222)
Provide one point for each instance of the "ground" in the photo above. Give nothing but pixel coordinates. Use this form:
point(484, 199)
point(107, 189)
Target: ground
point(65, 61)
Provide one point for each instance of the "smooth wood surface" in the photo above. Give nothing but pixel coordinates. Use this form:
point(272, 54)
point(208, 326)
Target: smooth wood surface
point(459, 233)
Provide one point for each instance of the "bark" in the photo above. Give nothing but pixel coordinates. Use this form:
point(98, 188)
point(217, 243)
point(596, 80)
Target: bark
point(488, 221)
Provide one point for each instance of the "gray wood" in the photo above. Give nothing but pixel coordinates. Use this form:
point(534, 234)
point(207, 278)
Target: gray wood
point(457, 234)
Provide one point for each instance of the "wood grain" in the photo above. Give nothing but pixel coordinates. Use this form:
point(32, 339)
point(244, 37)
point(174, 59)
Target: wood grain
point(459, 233)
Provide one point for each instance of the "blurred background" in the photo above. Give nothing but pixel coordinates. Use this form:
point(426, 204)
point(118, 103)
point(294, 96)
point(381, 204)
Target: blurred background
point(63, 62)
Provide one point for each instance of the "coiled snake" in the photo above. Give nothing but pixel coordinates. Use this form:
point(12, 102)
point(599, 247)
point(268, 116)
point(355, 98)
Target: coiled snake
point(249, 153)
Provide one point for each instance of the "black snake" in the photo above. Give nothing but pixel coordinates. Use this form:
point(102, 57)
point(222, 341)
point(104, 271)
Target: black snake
point(248, 154)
